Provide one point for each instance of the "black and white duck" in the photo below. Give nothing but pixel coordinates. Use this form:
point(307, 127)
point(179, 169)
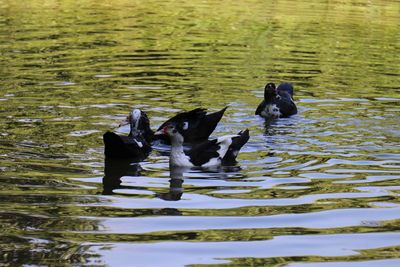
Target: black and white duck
point(138, 142)
point(278, 102)
point(216, 152)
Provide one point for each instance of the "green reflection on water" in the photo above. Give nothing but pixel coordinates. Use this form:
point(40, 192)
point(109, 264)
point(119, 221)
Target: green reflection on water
point(70, 71)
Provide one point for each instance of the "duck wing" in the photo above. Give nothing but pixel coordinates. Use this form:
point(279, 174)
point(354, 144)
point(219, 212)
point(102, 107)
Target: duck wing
point(196, 124)
point(204, 127)
point(184, 119)
point(286, 105)
point(190, 116)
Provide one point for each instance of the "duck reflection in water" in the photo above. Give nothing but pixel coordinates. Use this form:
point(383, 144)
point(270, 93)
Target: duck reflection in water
point(177, 177)
point(114, 169)
point(175, 184)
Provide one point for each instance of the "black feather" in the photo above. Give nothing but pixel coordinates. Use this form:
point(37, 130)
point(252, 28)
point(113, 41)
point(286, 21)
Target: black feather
point(203, 152)
point(116, 146)
point(286, 87)
point(189, 116)
point(286, 105)
point(261, 107)
point(144, 127)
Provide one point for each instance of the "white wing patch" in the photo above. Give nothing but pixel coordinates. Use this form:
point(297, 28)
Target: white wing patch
point(224, 142)
point(225, 137)
point(212, 162)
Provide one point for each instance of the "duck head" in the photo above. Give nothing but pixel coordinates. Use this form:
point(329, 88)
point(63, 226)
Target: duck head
point(173, 131)
point(270, 92)
point(139, 122)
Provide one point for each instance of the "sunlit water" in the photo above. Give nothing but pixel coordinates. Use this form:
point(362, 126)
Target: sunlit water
point(318, 189)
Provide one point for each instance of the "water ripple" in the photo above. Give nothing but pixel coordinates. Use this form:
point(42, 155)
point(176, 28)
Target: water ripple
point(319, 188)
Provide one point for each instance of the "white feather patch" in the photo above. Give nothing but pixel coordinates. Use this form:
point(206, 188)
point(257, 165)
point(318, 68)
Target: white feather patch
point(178, 158)
point(271, 110)
point(140, 144)
point(224, 143)
point(136, 114)
point(212, 162)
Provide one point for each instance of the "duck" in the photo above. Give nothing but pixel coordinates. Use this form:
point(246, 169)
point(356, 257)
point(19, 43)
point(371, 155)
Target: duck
point(210, 153)
point(197, 125)
point(278, 102)
point(138, 142)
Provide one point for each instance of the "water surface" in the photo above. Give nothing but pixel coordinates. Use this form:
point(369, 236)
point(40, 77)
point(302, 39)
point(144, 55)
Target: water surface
point(318, 189)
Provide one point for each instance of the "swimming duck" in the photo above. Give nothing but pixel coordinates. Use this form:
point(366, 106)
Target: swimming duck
point(197, 125)
point(278, 102)
point(206, 154)
point(136, 144)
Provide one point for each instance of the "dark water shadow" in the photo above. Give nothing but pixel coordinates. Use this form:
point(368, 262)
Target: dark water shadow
point(114, 169)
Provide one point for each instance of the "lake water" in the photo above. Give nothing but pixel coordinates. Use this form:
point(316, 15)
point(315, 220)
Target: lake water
point(321, 188)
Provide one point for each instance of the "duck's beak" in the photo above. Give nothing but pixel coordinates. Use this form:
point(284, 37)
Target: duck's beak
point(125, 122)
point(160, 132)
